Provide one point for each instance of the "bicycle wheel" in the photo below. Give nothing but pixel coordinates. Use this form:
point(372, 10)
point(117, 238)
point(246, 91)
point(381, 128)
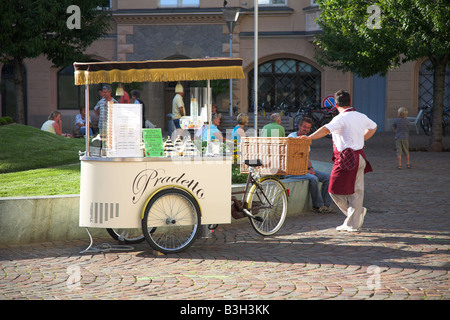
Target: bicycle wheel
point(272, 217)
point(129, 235)
point(171, 221)
point(425, 123)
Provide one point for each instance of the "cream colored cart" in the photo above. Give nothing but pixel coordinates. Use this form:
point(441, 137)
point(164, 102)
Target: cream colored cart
point(162, 200)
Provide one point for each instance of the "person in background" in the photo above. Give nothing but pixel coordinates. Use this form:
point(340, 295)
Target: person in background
point(54, 124)
point(101, 101)
point(215, 132)
point(102, 107)
point(80, 121)
point(321, 199)
point(125, 97)
point(178, 109)
point(274, 129)
point(238, 131)
point(401, 131)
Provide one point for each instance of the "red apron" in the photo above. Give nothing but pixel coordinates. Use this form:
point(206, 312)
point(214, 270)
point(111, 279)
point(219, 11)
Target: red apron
point(345, 168)
point(342, 181)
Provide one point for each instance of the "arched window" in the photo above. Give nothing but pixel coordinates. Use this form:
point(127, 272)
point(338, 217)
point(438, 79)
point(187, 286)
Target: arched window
point(285, 82)
point(72, 97)
point(426, 85)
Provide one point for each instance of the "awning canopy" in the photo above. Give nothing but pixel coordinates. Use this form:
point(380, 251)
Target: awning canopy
point(158, 70)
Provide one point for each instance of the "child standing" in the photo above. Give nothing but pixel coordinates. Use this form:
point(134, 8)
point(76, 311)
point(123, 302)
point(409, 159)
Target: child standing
point(401, 130)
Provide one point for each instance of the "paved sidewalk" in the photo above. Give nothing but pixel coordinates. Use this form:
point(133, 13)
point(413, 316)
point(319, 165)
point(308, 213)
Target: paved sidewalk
point(402, 252)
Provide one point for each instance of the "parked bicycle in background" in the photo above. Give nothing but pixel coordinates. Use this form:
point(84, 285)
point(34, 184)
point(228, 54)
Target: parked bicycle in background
point(319, 116)
point(426, 120)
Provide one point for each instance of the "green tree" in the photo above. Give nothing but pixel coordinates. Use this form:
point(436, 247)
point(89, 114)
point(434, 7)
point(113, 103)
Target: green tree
point(372, 37)
point(59, 29)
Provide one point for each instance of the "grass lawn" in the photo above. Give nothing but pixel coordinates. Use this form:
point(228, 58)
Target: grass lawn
point(33, 162)
point(24, 148)
point(50, 181)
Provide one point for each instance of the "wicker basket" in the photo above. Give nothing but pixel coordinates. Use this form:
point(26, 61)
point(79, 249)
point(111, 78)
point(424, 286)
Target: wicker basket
point(279, 156)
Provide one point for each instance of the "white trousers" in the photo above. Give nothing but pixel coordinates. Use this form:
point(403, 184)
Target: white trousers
point(351, 205)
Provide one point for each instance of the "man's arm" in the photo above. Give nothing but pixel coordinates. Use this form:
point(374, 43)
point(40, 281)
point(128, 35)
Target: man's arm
point(320, 133)
point(369, 133)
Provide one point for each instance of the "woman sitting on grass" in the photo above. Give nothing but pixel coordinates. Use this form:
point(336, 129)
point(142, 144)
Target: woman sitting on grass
point(54, 124)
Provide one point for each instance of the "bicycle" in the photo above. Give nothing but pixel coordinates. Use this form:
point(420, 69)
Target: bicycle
point(318, 116)
point(426, 120)
point(178, 217)
point(264, 201)
point(445, 119)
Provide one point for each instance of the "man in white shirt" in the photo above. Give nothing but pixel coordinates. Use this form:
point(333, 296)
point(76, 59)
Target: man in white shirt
point(349, 130)
point(178, 109)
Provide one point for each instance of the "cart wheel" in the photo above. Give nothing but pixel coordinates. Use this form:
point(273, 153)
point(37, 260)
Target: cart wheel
point(176, 215)
point(272, 218)
point(129, 236)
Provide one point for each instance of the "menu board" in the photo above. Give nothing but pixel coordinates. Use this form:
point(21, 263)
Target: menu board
point(153, 142)
point(124, 130)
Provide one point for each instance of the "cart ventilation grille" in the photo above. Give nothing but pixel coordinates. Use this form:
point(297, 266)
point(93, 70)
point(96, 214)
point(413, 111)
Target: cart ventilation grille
point(101, 211)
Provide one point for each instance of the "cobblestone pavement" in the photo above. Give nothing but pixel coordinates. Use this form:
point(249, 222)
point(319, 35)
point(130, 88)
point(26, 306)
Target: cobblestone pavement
point(402, 251)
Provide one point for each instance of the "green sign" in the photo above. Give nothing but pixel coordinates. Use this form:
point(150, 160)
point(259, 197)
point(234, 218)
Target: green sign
point(153, 142)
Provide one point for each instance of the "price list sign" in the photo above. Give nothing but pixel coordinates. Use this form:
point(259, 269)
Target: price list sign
point(124, 130)
point(153, 142)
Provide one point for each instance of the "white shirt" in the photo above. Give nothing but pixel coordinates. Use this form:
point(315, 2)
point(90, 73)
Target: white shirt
point(177, 103)
point(48, 126)
point(348, 129)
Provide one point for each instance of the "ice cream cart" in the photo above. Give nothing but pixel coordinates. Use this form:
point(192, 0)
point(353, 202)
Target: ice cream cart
point(163, 199)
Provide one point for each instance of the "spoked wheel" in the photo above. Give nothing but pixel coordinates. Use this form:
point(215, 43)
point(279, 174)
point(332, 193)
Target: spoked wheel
point(171, 221)
point(129, 236)
point(425, 123)
point(272, 218)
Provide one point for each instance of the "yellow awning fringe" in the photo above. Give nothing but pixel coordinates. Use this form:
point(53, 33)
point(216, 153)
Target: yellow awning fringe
point(159, 75)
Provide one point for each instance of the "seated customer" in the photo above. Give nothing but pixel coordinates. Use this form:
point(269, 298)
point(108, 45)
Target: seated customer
point(54, 124)
point(215, 132)
point(274, 129)
point(238, 131)
point(80, 122)
point(321, 199)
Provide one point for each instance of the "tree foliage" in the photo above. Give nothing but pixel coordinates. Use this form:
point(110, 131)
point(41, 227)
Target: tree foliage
point(408, 30)
point(30, 28)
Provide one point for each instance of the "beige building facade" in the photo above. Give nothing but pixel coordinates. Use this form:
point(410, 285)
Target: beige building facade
point(185, 29)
